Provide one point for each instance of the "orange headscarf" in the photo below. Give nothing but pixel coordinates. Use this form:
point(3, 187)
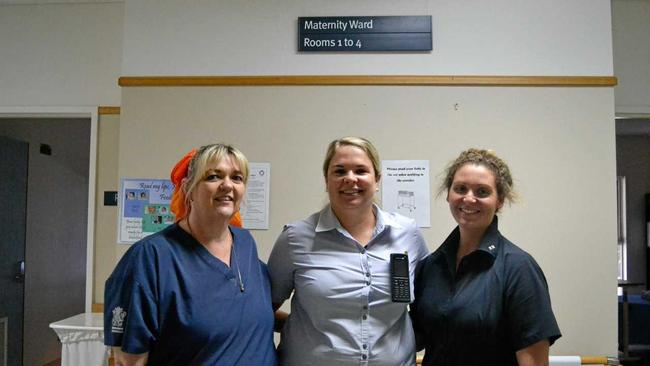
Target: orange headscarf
point(178, 205)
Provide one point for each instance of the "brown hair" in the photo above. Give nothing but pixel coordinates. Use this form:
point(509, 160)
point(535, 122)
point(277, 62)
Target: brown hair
point(488, 159)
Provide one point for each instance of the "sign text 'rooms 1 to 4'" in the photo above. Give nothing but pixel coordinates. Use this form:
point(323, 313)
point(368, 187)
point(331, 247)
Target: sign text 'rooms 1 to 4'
point(364, 33)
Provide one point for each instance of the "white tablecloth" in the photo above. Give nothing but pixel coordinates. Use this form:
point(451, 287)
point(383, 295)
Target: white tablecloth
point(565, 360)
point(82, 340)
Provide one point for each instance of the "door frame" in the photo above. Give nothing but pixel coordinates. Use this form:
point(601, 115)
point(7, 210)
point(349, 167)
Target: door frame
point(72, 112)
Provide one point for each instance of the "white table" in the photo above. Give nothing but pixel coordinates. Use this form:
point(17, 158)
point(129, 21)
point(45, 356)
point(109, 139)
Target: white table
point(82, 340)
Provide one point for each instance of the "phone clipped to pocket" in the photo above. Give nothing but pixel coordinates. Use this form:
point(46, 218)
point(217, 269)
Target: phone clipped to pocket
point(400, 286)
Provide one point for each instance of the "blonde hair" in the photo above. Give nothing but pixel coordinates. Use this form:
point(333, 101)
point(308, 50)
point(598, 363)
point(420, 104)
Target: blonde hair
point(488, 159)
point(359, 142)
point(206, 155)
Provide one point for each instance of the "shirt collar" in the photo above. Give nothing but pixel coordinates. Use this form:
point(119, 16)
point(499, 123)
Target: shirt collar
point(327, 220)
point(490, 241)
point(489, 244)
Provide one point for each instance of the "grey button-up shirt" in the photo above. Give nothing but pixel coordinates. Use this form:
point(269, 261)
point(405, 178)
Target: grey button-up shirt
point(341, 309)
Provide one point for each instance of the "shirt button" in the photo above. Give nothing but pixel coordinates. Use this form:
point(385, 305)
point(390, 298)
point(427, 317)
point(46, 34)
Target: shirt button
point(364, 317)
point(363, 251)
point(364, 356)
point(368, 283)
point(365, 346)
point(365, 307)
point(367, 274)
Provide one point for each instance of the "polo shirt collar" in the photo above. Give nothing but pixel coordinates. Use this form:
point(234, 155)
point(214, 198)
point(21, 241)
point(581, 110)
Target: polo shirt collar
point(327, 220)
point(489, 244)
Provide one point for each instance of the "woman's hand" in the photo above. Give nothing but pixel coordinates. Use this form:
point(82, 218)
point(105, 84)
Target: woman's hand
point(534, 355)
point(280, 318)
point(129, 359)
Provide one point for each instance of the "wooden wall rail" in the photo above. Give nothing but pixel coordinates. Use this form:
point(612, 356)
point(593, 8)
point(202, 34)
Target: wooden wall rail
point(594, 360)
point(108, 110)
point(423, 80)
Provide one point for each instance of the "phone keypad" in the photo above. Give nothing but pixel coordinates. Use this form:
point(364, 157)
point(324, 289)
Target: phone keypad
point(401, 291)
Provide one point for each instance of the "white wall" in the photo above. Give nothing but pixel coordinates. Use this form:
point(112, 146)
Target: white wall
point(475, 37)
point(631, 32)
point(60, 54)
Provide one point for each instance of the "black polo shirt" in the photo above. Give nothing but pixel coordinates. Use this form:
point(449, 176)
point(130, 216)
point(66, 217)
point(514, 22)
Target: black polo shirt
point(494, 305)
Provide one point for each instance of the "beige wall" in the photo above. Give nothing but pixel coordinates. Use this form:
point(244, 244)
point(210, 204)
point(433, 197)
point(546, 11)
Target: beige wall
point(559, 142)
point(105, 216)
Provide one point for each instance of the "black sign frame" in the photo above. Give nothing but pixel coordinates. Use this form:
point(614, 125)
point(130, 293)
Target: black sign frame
point(365, 34)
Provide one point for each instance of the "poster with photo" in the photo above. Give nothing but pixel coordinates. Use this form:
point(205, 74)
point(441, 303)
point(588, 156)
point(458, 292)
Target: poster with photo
point(144, 208)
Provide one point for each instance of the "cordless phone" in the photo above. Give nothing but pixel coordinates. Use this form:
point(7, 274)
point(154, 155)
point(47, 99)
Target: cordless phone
point(400, 287)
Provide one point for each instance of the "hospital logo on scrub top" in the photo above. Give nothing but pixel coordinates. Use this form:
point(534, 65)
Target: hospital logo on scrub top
point(118, 318)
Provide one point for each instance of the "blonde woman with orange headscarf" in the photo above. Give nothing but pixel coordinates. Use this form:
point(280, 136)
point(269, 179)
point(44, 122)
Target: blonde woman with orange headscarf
point(194, 293)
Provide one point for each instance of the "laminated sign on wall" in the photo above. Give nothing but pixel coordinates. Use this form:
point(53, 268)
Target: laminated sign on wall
point(405, 189)
point(144, 208)
point(255, 206)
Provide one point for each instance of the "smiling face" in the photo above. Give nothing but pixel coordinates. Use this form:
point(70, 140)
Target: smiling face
point(219, 193)
point(351, 180)
point(473, 198)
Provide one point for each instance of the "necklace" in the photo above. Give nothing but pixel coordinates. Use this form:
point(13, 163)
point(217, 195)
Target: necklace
point(234, 252)
point(241, 283)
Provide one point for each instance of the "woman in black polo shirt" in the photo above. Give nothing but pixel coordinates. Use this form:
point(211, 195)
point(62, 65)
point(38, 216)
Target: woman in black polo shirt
point(479, 299)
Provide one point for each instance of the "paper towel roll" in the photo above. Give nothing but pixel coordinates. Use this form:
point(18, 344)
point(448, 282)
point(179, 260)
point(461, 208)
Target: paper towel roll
point(564, 361)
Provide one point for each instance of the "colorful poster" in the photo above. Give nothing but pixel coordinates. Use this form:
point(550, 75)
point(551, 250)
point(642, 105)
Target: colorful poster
point(144, 208)
point(405, 189)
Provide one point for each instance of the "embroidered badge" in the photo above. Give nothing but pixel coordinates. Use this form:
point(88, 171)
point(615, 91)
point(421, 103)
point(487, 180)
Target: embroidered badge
point(118, 320)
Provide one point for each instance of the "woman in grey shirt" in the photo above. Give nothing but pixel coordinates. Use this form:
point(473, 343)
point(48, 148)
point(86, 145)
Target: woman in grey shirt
point(337, 264)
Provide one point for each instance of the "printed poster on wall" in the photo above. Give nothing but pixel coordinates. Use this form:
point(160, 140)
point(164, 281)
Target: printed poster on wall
point(144, 208)
point(255, 207)
point(405, 189)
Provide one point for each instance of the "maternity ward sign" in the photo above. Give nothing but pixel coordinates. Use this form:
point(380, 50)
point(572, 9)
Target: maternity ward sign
point(364, 34)
point(144, 208)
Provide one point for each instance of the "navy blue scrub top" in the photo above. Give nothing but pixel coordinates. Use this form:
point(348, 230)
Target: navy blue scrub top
point(495, 304)
point(170, 297)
